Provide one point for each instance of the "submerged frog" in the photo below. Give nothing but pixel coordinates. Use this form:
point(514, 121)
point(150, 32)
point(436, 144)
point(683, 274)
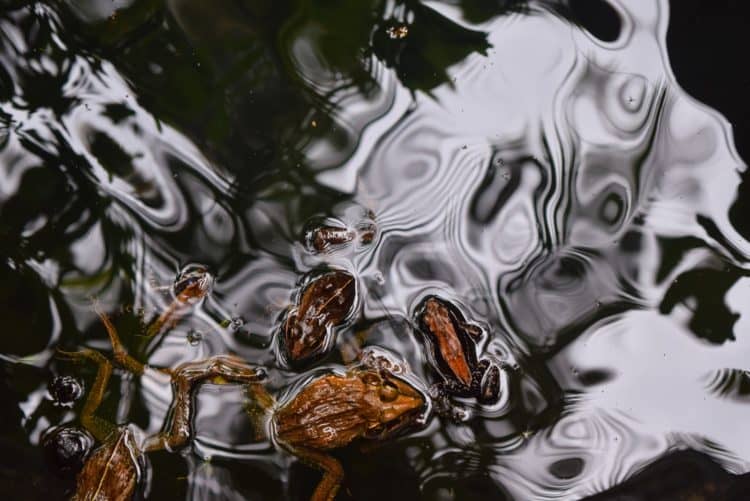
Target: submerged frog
point(453, 346)
point(329, 412)
point(332, 234)
point(329, 237)
point(112, 471)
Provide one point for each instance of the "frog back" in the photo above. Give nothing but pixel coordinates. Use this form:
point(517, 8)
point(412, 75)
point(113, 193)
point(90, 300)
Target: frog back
point(111, 472)
point(327, 414)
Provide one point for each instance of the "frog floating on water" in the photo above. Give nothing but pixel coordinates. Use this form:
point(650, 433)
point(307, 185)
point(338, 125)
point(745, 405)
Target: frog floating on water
point(332, 235)
point(452, 342)
point(334, 410)
point(324, 303)
point(328, 412)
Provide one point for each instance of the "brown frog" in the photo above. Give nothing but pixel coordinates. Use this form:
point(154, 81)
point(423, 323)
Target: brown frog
point(334, 410)
point(453, 350)
point(192, 284)
point(112, 471)
point(327, 237)
point(325, 302)
point(328, 412)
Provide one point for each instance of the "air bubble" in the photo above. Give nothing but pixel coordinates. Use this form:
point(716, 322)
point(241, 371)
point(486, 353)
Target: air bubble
point(194, 337)
point(65, 390)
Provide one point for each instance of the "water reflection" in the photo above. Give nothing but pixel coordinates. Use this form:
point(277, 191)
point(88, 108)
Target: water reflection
point(541, 170)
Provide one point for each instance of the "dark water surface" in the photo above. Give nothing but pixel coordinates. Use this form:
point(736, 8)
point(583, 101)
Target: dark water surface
point(538, 164)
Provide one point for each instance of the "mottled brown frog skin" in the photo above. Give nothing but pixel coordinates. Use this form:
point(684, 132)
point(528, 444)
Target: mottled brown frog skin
point(111, 472)
point(188, 290)
point(334, 410)
point(453, 343)
point(324, 303)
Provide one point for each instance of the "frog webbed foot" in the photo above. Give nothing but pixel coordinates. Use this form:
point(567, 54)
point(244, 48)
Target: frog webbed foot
point(444, 406)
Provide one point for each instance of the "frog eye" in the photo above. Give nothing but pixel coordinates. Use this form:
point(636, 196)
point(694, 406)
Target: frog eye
point(388, 392)
point(371, 379)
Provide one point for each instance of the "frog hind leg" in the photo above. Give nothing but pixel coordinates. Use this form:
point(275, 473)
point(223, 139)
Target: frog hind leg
point(121, 356)
point(185, 379)
point(333, 473)
point(100, 428)
point(257, 407)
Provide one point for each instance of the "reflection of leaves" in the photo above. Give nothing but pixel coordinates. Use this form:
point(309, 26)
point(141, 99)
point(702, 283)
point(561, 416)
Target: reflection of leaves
point(24, 308)
point(479, 11)
point(711, 319)
point(685, 474)
point(337, 30)
point(729, 383)
point(432, 43)
point(246, 80)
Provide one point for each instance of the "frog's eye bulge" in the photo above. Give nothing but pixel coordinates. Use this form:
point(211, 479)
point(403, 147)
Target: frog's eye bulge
point(371, 379)
point(388, 392)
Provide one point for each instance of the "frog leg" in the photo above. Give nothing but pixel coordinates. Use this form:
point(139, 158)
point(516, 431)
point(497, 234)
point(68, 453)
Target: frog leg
point(259, 403)
point(100, 428)
point(121, 356)
point(168, 318)
point(185, 378)
point(164, 323)
point(487, 382)
point(333, 472)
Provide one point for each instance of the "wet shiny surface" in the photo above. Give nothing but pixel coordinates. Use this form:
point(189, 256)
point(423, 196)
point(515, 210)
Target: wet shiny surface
point(539, 167)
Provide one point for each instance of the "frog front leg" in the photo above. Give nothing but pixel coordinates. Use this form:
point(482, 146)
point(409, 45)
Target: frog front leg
point(185, 378)
point(101, 429)
point(119, 353)
point(333, 472)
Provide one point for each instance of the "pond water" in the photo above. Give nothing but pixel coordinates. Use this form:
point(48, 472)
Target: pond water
point(537, 164)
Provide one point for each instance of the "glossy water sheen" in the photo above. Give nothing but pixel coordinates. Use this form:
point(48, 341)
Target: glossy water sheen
point(544, 172)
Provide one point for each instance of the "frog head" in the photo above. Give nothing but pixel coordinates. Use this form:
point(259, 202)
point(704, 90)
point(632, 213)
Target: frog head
point(396, 402)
